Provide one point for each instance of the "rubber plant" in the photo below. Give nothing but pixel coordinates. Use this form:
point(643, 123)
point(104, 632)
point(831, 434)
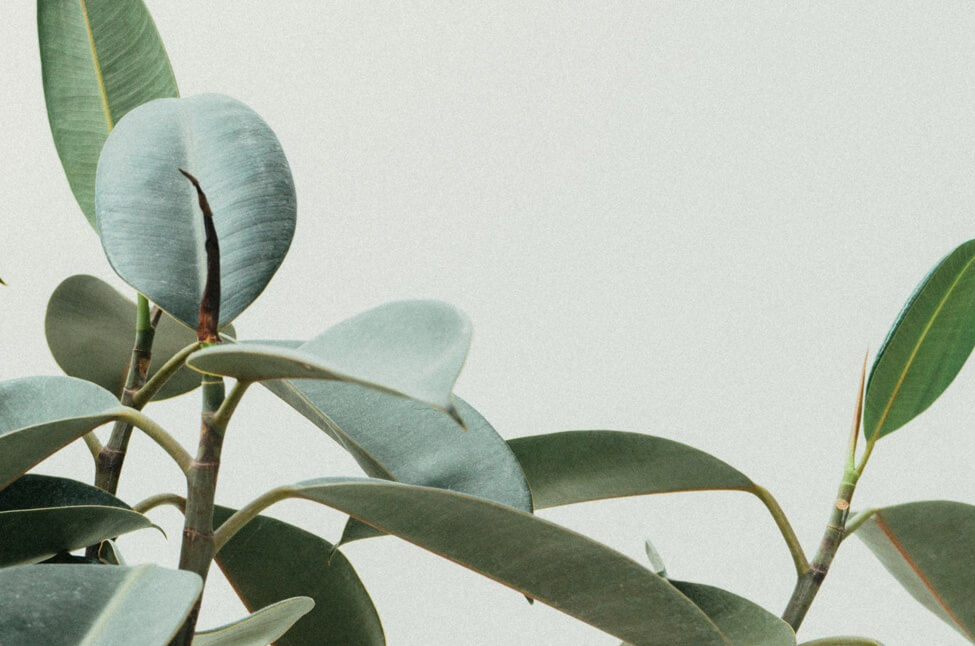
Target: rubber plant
point(193, 201)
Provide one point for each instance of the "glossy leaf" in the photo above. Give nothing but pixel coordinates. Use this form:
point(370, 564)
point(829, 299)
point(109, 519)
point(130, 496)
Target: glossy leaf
point(539, 559)
point(926, 347)
point(743, 622)
point(99, 60)
point(927, 546)
point(41, 516)
point(576, 466)
point(39, 415)
point(149, 218)
point(259, 628)
point(89, 605)
point(843, 641)
point(411, 348)
point(269, 560)
point(90, 329)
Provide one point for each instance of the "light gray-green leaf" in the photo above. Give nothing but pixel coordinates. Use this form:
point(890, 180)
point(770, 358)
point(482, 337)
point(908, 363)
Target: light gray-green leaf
point(259, 628)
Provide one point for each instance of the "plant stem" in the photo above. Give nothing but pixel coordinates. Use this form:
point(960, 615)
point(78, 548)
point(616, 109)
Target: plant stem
point(198, 546)
point(785, 528)
point(158, 380)
point(248, 513)
point(157, 434)
point(108, 467)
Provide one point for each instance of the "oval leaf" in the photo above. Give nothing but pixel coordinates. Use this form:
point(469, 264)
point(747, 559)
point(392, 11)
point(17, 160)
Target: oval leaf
point(412, 348)
point(576, 466)
point(269, 560)
point(88, 605)
point(90, 329)
point(39, 415)
point(927, 546)
point(99, 60)
point(542, 560)
point(148, 214)
point(744, 623)
point(259, 628)
point(926, 347)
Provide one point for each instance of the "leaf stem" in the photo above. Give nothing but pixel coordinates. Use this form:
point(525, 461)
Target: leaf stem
point(785, 528)
point(248, 512)
point(854, 523)
point(158, 500)
point(159, 379)
point(158, 434)
point(91, 441)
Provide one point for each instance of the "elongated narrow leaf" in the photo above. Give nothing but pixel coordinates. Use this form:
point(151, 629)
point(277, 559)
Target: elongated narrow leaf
point(575, 466)
point(90, 330)
point(91, 605)
point(927, 546)
point(99, 60)
point(259, 628)
point(843, 641)
point(32, 491)
point(39, 415)
point(269, 560)
point(540, 559)
point(149, 217)
point(926, 347)
point(744, 622)
point(412, 348)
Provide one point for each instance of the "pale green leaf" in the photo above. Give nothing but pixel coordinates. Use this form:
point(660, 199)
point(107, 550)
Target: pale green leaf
point(99, 60)
point(94, 605)
point(926, 347)
point(927, 546)
point(259, 628)
point(149, 217)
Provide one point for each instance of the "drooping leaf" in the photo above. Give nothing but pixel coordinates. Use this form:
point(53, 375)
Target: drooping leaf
point(269, 560)
point(411, 348)
point(927, 546)
point(926, 347)
point(39, 415)
point(99, 60)
point(90, 329)
point(540, 559)
point(259, 628)
point(89, 605)
point(744, 622)
point(843, 641)
point(576, 466)
point(32, 491)
point(149, 217)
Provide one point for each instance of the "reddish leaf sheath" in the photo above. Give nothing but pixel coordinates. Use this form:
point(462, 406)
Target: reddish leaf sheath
point(206, 332)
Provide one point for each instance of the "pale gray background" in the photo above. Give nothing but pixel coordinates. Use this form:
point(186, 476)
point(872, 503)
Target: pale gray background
point(689, 220)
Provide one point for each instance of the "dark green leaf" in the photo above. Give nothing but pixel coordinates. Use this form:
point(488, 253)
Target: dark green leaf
point(85, 605)
point(575, 466)
point(269, 560)
point(926, 347)
point(744, 623)
point(32, 491)
point(99, 59)
point(149, 217)
point(260, 628)
point(927, 546)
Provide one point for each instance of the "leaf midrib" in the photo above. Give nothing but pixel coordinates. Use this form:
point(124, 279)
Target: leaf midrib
point(98, 67)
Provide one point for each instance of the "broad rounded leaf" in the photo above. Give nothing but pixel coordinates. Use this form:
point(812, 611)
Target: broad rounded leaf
point(39, 415)
point(91, 605)
point(576, 466)
point(927, 546)
point(259, 628)
point(90, 330)
point(542, 560)
point(744, 622)
point(99, 60)
point(149, 217)
point(269, 560)
point(926, 347)
point(843, 641)
point(412, 348)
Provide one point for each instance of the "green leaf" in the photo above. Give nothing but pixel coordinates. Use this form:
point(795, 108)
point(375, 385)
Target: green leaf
point(411, 348)
point(39, 415)
point(89, 605)
point(149, 217)
point(926, 347)
point(260, 628)
point(90, 330)
point(927, 546)
point(99, 60)
point(843, 641)
point(542, 560)
point(744, 623)
point(41, 516)
point(269, 560)
point(576, 466)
